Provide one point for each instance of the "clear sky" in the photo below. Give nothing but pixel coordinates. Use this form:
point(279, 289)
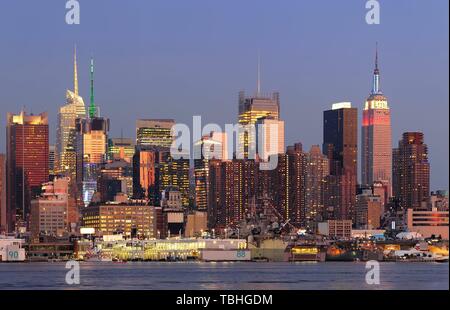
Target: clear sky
point(178, 58)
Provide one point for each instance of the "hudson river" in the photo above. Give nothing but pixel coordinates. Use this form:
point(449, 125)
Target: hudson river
point(203, 276)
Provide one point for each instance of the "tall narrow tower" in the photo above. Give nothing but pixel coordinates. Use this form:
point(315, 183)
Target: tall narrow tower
point(376, 139)
point(65, 160)
point(92, 107)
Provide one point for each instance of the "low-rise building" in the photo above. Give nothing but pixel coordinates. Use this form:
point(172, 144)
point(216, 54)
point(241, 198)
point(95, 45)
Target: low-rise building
point(49, 212)
point(428, 222)
point(368, 210)
point(196, 223)
point(127, 218)
point(340, 229)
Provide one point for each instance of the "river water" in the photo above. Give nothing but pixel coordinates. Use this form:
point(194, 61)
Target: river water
point(223, 276)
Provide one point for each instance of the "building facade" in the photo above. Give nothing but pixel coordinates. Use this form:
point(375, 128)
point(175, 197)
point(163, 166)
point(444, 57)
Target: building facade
point(411, 170)
point(50, 211)
point(154, 132)
point(376, 137)
point(428, 222)
point(122, 218)
point(368, 211)
point(209, 147)
point(121, 149)
point(65, 148)
point(27, 148)
point(317, 170)
point(250, 110)
point(340, 134)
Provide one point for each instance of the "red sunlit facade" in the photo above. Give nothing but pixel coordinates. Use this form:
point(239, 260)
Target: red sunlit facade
point(27, 162)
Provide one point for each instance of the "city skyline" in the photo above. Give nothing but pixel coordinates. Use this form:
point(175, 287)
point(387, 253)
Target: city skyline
point(293, 95)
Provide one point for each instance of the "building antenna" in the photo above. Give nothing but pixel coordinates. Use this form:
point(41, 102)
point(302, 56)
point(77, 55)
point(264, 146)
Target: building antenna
point(258, 82)
point(75, 72)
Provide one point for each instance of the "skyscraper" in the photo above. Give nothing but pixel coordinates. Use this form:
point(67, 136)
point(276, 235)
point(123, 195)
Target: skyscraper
point(91, 147)
point(376, 140)
point(250, 110)
point(233, 185)
point(411, 170)
point(209, 147)
point(317, 169)
point(340, 134)
point(27, 163)
point(154, 132)
point(65, 157)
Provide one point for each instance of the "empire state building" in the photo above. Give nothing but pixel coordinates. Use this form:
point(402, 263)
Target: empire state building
point(376, 143)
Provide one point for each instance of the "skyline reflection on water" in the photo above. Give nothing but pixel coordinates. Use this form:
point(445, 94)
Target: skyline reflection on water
point(225, 276)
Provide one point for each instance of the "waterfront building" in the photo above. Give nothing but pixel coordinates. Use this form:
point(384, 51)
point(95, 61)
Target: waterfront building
point(368, 210)
point(196, 223)
point(125, 218)
point(250, 110)
point(428, 222)
point(65, 148)
point(49, 211)
point(376, 137)
point(341, 229)
point(121, 149)
point(411, 170)
point(340, 135)
point(154, 132)
point(3, 221)
point(27, 163)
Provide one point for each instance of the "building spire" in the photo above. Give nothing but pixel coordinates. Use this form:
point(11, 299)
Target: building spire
point(376, 74)
point(258, 81)
point(92, 107)
point(75, 72)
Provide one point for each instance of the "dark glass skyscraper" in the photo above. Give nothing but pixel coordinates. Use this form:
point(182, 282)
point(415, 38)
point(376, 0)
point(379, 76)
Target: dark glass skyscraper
point(340, 134)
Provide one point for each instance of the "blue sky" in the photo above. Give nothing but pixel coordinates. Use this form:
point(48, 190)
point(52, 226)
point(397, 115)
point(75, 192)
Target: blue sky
point(179, 58)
